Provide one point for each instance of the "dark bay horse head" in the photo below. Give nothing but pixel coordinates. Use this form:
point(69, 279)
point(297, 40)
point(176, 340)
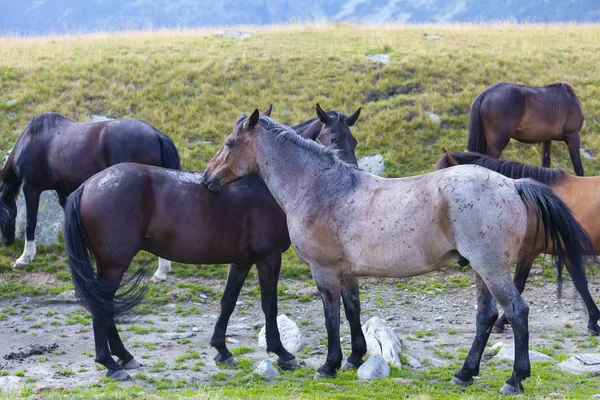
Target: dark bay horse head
point(9, 189)
point(331, 128)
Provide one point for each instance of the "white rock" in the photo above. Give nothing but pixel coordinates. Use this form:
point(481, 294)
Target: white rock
point(195, 329)
point(435, 118)
point(234, 34)
point(178, 335)
point(99, 118)
point(587, 154)
point(507, 352)
point(380, 58)
point(291, 337)
point(381, 340)
point(373, 164)
point(232, 340)
point(11, 102)
point(432, 36)
point(374, 368)
point(266, 369)
point(581, 364)
point(413, 362)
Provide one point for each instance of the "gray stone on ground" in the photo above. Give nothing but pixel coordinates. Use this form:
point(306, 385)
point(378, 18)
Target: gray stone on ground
point(99, 118)
point(382, 341)
point(291, 336)
point(582, 364)
point(373, 164)
point(587, 154)
point(380, 58)
point(374, 368)
point(507, 352)
point(11, 102)
point(413, 362)
point(234, 34)
point(178, 335)
point(266, 369)
point(435, 118)
point(433, 36)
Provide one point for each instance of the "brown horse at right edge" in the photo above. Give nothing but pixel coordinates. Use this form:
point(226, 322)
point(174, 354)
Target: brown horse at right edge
point(529, 115)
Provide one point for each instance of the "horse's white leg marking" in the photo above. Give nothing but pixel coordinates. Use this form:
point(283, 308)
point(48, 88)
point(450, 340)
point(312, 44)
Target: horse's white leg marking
point(28, 254)
point(164, 266)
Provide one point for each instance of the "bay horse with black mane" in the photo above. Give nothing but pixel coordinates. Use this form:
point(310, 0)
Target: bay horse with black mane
point(55, 153)
point(176, 217)
point(580, 194)
point(529, 115)
point(345, 223)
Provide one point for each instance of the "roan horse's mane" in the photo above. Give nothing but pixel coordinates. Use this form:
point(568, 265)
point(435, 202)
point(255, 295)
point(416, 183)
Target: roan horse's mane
point(44, 121)
point(511, 169)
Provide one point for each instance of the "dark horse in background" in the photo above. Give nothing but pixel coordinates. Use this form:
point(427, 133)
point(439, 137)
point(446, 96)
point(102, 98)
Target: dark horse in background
point(580, 194)
point(55, 153)
point(178, 218)
point(529, 115)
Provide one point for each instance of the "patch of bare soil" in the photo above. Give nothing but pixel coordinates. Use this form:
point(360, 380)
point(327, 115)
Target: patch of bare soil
point(434, 316)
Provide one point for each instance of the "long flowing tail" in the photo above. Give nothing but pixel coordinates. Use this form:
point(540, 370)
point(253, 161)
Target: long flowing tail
point(569, 240)
point(96, 294)
point(476, 141)
point(170, 155)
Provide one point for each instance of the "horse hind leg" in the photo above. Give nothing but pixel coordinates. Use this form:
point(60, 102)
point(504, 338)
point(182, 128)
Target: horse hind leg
point(546, 153)
point(351, 298)
point(268, 276)
point(573, 143)
point(164, 266)
point(486, 315)
point(235, 280)
point(592, 309)
point(32, 201)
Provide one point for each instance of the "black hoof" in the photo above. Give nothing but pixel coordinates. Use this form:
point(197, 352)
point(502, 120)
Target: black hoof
point(460, 382)
point(118, 375)
point(289, 365)
point(228, 362)
point(131, 364)
point(325, 372)
point(594, 330)
point(349, 366)
point(509, 389)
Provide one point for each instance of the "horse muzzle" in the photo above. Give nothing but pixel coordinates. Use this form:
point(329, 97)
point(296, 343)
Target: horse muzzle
point(212, 184)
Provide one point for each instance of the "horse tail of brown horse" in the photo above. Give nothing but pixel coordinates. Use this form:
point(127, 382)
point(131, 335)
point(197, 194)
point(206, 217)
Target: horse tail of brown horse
point(96, 294)
point(569, 240)
point(477, 141)
point(169, 153)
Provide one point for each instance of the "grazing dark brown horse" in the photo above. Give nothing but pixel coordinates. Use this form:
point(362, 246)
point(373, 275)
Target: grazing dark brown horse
point(580, 194)
point(132, 207)
point(347, 223)
point(55, 153)
point(529, 115)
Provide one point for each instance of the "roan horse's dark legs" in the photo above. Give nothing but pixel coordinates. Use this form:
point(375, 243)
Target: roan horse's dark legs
point(329, 288)
point(351, 298)
point(268, 276)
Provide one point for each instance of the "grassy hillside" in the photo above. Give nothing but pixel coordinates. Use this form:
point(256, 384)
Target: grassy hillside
point(193, 85)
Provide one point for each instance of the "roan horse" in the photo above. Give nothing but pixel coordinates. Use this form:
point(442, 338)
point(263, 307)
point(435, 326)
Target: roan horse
point(346, 223)
point(176, 217)
point(329, 128)
point(580, 194)
point(529, 115)
point(55, 153)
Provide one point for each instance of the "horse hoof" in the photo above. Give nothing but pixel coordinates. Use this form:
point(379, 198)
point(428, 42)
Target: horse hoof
point(131, 364)
point(289, 365)
point(20, 263)
point(228, 362)
point(496, 329)
point(509, 389)
point(348, 366)
point(321, 375)
point(593, 332)
point(460, 382)
point(118, 375)
point(158, 279)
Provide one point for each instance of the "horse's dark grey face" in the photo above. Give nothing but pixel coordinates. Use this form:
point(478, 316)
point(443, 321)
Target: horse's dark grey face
point(8, 216)
point(339, 137)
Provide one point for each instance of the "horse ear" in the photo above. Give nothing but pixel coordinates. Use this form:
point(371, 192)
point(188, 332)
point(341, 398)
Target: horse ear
point(268, 110)
point(451, 159)
point(253, 119)
point(350, 120)
point(323, 116)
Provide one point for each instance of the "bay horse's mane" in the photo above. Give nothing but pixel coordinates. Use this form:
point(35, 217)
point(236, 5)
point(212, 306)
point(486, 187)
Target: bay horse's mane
point(44, 121)
point(511, 169)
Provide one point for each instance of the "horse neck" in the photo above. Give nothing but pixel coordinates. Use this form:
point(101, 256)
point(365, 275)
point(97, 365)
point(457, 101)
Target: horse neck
point(290, 171)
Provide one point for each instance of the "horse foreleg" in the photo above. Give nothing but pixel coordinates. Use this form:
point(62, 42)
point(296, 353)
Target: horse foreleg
point(546, 153)
point(164, 266)
point(329, 287)
point(268, 276)
point(32, 201)
point(486, 315)
point(351, 298)
point(235, 280)
point(573, 142)
point(592, 309)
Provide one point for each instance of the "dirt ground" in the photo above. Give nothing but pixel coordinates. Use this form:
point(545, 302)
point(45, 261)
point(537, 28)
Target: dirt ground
point(446, 309)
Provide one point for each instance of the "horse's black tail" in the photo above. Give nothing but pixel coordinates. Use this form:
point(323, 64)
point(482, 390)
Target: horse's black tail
point(569, 240)
point(169, 153)
point(96, 294)
point(477, 141)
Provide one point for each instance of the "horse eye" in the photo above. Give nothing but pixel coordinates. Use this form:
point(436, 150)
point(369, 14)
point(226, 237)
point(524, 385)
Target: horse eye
point(333, 140)
point(229, 143)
